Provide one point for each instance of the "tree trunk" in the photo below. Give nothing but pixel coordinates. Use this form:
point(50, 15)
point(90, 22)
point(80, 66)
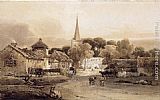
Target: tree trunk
point(84, 64)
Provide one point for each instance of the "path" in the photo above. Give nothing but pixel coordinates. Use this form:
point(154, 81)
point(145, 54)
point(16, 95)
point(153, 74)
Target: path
point(79, 89)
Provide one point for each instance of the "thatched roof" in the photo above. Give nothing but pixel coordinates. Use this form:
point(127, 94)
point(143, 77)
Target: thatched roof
point(33, 54)
point(39, 44)
point(60, 56)
point(26, 53)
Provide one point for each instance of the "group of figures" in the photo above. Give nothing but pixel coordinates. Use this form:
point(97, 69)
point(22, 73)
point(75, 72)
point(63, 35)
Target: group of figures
point(92, 80)
point(55, 94)
point(71, 72)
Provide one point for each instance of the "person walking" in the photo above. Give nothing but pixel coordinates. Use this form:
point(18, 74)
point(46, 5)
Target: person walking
point(101, 81)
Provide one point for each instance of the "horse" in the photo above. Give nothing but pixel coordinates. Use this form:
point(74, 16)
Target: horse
point(92, 80)
point(108, 73)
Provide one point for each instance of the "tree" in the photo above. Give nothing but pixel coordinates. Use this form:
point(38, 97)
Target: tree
point(96, 43)
point(93, 44)
point(139, 51)
point(79, 53)
point(65, 49)
point(86, 51)
point(90, 41)
point(53, 49)
point(125, 48)
point(147, 54)
point(153, 51)
point(111, 42)
point(109, 53)
point(100, 42)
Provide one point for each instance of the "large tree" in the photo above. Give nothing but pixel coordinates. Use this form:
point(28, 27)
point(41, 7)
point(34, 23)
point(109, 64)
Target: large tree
point(125, 48)
point(100, 42)
point(90, 41)
point(111, 42)
point(109, 53)
point(153, 52)
point(96, 43)
point(138, 51)
point(79, 53)
point(86, 51)
point(54, 49)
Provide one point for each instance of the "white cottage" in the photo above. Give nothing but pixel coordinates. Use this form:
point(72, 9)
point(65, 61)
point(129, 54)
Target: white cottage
point(92, 63)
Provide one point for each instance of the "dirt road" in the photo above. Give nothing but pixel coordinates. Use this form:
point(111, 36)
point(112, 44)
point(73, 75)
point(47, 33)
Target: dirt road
point(79, 89)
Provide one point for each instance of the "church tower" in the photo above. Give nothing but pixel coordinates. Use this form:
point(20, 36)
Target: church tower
point(76, 40)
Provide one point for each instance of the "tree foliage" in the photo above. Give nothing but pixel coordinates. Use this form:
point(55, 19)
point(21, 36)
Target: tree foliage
point(111, 42)
point(96, 44)
point(124, 48)
point(90, 41)
point(140, 51)
point(100, 42)
point(109, 53)
point(54, 49)
point(79, 53)
point(153, 51)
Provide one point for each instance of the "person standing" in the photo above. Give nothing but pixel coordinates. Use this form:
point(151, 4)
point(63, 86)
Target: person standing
point(101, 81)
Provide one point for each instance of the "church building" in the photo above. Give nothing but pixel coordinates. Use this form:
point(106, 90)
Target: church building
point(90, 63)
point(76, 39)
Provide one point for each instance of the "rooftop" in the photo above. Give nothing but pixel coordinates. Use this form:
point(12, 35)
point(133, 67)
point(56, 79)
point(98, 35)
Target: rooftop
point(39, 45)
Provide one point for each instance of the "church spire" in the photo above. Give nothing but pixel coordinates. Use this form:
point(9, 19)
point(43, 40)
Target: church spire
point(76, 34)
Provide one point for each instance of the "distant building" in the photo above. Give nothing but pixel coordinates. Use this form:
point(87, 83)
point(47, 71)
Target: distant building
point(76, 40)
point(92, 63)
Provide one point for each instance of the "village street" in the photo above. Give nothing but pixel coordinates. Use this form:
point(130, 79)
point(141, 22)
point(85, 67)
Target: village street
point(78, 88)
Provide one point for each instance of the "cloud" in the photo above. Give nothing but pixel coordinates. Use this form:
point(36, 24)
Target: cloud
point(25, 36)
point(46, 27)
point(18, 32)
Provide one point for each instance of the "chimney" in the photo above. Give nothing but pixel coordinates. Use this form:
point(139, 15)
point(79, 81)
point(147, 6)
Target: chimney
point(14, 43)
point(47, 66)
point(47, 52)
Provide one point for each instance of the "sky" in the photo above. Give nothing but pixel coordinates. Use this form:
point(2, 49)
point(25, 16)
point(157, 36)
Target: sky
point(55, 21)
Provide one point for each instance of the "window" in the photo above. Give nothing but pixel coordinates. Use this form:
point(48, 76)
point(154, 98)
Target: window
point(10, 62)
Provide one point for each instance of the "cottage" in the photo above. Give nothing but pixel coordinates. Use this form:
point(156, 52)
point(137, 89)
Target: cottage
point(41, 50)
point(14, 60)
point(92, 63)
point(59, 59)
